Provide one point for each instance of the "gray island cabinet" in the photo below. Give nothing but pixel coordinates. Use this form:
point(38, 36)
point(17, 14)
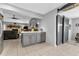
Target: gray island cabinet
point(29, 38)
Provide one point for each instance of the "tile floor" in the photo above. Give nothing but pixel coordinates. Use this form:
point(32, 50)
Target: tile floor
point(14, 48)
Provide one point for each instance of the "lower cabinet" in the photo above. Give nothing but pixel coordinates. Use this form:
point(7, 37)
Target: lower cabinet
point(25, 39)
point(31, 38)
point(38, 37)
point(28, 39)
point(43, 36)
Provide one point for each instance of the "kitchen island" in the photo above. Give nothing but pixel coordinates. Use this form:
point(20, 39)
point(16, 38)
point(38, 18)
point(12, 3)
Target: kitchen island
point(29, 37)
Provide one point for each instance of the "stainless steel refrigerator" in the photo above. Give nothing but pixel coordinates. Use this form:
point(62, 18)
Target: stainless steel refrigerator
point(66, 29)
point(62, 30)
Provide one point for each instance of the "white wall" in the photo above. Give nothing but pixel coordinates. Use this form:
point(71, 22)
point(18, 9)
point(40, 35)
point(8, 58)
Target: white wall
point(49, 23)
point(74, 28)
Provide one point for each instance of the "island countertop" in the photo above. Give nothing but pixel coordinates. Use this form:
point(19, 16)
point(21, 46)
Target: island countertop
point(32, 31)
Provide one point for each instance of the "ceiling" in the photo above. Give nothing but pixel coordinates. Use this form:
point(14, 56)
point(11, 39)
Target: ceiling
point(9, 14)
point(41, 8)
point(73, 13)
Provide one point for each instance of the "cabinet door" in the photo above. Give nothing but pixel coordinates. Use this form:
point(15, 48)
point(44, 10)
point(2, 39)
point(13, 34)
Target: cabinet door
point(33, 38)
point(26, 39)
point(43, 36)
point(38, 37)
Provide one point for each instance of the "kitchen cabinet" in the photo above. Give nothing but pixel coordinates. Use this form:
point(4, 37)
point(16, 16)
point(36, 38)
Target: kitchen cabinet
point(43, 36)
point(29, 38)
point(38, 37)
point(32, 38)
point(25, 39)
